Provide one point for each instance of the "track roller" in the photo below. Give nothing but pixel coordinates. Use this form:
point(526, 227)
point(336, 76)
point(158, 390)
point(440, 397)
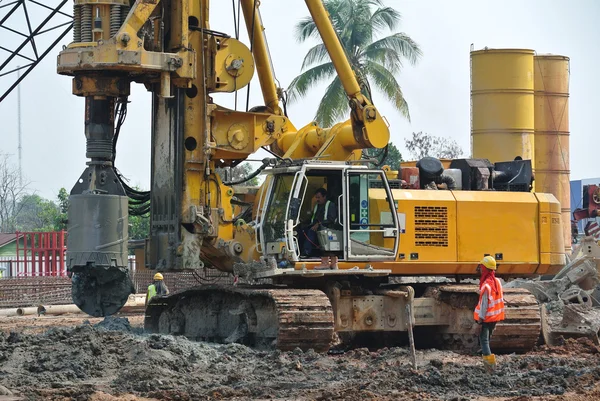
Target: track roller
point(282, 319)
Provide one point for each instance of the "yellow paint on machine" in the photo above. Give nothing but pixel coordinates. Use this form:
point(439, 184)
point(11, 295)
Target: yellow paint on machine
point(552, 133)
point(502, 104)
point(448, 232)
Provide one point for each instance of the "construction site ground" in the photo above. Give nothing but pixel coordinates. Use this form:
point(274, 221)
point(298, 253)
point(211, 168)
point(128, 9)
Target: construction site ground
point(74, 357)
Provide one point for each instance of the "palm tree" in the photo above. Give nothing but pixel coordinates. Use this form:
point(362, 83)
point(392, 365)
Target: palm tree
point(357, 22)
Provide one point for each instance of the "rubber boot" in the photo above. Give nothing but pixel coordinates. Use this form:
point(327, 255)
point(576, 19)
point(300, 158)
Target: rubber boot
point(489, 362)
point(333, 263)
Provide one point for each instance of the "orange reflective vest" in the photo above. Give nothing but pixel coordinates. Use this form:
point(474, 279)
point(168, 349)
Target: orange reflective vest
point(495, 304)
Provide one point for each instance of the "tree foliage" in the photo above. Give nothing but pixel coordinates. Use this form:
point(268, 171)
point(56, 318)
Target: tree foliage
point(23, 211)
point(392, 159)
point(37, 214)
point(63, 208)
point(357, 24)
point(139, 227)
point(12, 191)
point(422, 144)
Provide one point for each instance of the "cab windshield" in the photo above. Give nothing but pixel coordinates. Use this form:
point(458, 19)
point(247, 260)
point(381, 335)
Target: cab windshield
point(275, 216)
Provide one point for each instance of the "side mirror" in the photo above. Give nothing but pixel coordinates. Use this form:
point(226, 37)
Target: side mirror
point(294, 208)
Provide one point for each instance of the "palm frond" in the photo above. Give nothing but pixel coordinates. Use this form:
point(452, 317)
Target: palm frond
point(389, 58)
point(385, 17)
point(386, 82)
point(361, 31)
point(306, 29)
point(302, 83)
point(337, 10)
point(343, 20)
point(401, 43)
point(356, 23)
point(334, 105)
point(316, 54)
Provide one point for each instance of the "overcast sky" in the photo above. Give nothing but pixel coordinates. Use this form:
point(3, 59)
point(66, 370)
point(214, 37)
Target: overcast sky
point(437, 89)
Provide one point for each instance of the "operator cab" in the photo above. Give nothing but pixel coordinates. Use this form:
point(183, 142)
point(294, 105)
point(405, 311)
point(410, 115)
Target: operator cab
point(360, 213)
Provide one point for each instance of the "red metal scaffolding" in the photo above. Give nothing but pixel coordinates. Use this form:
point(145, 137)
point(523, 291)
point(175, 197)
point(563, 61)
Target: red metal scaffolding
point(41, 254)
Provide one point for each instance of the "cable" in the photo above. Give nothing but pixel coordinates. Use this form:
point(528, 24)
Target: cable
point(209, 31)
point(218, 187)
point(385, 154)
point(265, 162)
point(139, 211)
point(246, 215)
point(376, 156)
point(239, 13)
point(134, 202)
point(132, 192)
point(208, 280)
point(284, 99)
point(121, 113)
point(271, 152)
point(367, 86)
point(235, 26)
point(139, 201)
point(251, 48)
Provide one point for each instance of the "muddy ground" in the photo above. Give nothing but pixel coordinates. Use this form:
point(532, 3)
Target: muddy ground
point(74, 358)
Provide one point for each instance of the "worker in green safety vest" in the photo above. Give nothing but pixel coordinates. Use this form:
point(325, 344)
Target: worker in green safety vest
point(158, 287)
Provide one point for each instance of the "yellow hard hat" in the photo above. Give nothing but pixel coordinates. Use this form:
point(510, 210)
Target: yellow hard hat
point(489, 262)
point(159, 276)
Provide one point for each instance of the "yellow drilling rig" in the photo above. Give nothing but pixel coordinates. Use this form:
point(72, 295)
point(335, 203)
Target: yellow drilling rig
point(384, 230)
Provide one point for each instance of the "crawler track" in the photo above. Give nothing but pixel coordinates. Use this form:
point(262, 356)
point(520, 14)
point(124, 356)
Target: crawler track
point(519, 332)
point(285, 319)
point(263, 318)
point(521, 329)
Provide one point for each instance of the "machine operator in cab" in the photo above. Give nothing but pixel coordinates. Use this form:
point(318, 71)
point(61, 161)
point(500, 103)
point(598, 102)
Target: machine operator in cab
point(490, 308)
point(324, 215)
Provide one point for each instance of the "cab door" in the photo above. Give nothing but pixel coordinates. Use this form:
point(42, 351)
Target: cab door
point(372, 229)
point(292, 217)
point(273, 213)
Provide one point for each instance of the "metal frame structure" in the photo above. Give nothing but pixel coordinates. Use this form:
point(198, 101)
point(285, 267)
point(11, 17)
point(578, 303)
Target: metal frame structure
point(29, 36)
point(42, 254)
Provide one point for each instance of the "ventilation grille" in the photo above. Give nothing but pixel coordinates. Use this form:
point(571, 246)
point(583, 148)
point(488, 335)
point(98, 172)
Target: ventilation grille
point(394, 184)
point(512, 187)
point(431, 226)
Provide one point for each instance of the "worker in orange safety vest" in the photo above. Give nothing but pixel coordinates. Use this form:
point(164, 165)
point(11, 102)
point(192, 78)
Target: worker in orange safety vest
point(490, 308)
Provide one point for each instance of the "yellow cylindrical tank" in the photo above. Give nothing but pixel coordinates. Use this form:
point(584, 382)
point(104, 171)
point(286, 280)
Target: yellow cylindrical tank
point(502, 104)
point(551, 83)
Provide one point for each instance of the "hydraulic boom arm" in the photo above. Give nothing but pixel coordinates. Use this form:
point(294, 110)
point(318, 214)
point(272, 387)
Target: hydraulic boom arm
point(366, 127)
point(169, 47)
